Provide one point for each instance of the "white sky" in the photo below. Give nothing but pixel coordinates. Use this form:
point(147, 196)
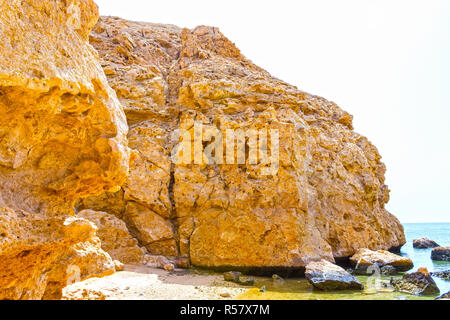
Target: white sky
point(385, 62)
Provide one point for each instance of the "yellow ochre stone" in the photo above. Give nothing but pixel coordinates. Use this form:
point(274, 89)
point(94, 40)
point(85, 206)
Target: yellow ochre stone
point(327, 199)
point(86, 137)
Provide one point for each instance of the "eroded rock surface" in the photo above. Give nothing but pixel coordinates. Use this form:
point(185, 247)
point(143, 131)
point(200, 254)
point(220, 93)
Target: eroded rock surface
point(62, 137)
point(424, 243)
point(445, 275)
point(326, 200)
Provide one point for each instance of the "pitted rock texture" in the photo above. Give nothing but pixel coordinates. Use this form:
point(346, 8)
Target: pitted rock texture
point(62, 137)
point(115, 237)
point(326, 200)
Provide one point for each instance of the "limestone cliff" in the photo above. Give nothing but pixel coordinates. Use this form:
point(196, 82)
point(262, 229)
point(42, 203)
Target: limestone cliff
point(326, 200)
point(62, 137)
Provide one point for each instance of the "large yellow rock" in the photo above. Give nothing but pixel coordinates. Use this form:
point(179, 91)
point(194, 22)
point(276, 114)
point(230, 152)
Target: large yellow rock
point(62, 137)
point(115, 237)
point(326, 200)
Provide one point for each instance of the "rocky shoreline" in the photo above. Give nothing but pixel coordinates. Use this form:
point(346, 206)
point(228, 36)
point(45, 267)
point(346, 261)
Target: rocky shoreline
point(90, 111)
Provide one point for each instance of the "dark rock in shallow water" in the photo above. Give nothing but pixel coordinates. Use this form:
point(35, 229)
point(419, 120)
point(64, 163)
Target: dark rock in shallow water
point(388, 271)
point(367, 261)
point(232, 276)
point(442, 275)
point(424, 243)
point(324, 275)
point(246, 281)
point(417, 283)
point(277, 278)
point(441, 254)
point(445, 296)
point(237, 277)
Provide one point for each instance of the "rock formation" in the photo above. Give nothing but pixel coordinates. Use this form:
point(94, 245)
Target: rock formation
point(364, 259)
point(324, 275)
point(445, 275)
point(327, 198)
point(424, 243)
point(445, 296)
point(62, 137)
point(419, 282)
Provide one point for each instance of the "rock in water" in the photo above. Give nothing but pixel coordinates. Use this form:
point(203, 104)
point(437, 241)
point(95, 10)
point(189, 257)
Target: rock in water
point(325, 199)
point(276, 278)
point(445, 296)
point(363, 259)
point(115, 237)
point(246, 281)
point(424, 243)
point(441, 254)
point(232, 276)
point(418, 283)
point(388, 270)
point(63, 136)
point(445, 275)
point(324, 275)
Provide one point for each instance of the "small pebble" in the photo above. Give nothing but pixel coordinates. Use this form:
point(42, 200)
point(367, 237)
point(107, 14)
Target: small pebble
point(225, 295)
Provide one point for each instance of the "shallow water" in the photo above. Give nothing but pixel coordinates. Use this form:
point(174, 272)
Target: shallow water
point(300, 289)
point(439, 232)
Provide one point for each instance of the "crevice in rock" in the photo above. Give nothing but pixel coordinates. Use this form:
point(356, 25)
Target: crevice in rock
point(173, 212)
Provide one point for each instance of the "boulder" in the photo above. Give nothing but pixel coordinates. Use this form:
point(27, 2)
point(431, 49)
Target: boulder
point(417, 283)
point(388, 270)
point(115, 237)
point(445, 296)
point(246, 281)
point(62, 137)
point(445, 275)
point(325, 275)
point(365, 258)
point(324, 198)
point(237, 277)
point(424, 243)
point(441, 254)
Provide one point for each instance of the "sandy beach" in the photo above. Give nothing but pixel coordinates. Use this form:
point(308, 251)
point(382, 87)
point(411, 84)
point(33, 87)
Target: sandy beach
point(144, 283)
